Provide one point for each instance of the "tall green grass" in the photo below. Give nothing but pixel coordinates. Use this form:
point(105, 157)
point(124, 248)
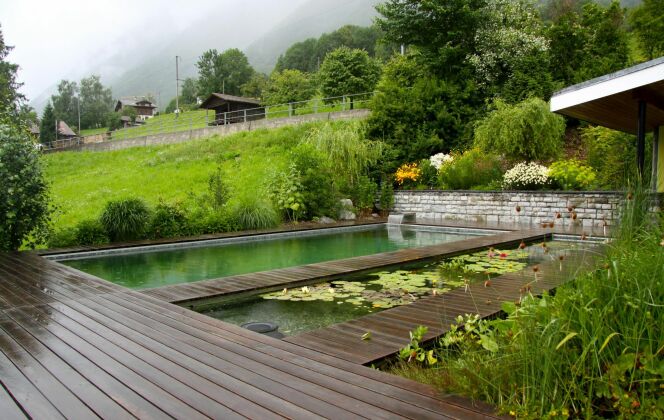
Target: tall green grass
point(594, 349)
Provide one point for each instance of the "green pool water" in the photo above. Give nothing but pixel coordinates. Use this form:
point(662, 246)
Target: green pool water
point(180, 265)
point(299, 310)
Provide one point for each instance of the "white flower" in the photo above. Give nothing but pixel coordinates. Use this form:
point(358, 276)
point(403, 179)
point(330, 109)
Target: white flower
point(526, 176)
point(439, 159)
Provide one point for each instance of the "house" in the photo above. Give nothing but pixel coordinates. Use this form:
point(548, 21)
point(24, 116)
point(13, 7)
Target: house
point(144, 107)
point(34, 129)
point(231, 109)
point(64, 132)
point(629, 100)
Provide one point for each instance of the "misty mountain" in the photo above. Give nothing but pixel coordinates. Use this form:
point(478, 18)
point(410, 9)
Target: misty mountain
point(144, 64)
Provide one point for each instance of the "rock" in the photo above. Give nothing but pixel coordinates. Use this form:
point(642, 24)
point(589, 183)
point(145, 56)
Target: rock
point(374, 215)
point(346, 211)
point(326, 220)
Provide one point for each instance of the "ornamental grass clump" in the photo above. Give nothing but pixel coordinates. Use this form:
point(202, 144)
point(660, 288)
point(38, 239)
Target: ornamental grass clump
point(526, 176)
point(125, 219)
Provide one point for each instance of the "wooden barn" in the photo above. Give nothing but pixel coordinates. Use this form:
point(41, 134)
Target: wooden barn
point(232, 109)
point(144, 107)
point(64, 132)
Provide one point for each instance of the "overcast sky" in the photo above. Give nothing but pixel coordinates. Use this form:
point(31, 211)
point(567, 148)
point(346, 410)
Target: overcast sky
point(56, 39)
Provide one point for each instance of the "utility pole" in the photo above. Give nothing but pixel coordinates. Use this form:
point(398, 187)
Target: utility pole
point(177, 88)
point(78, 106)
point(223, 87)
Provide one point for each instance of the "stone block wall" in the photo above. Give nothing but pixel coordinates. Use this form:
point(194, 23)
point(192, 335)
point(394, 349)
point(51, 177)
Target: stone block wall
point(592, 208)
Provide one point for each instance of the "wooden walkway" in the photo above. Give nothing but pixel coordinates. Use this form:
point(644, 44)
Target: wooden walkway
point(74, 346)
point(201, 293)
point(389, 328)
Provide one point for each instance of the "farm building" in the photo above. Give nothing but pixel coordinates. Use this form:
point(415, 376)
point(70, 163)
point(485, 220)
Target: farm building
point(231, 109)
point(64, 132)
point(144, 107)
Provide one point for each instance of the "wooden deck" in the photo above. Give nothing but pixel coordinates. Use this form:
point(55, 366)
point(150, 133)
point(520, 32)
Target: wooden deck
point(74, 346)
point(389, 328)
point(201, 293)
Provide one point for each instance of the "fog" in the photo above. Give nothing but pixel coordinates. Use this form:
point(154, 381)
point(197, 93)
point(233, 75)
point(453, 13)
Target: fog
point(70, 39)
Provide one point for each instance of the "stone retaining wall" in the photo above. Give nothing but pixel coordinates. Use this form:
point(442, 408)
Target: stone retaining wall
point(591, 208)
point(220, 130)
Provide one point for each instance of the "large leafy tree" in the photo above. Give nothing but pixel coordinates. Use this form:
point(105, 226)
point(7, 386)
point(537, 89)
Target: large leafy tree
point(511, 56)
point(348, 71)
point(47, 125)
point(189, 94)
point(96, 102)
point(10, 98)
point(288, 86)
point(223, 73)
point(587, 43)
point(443, 31)
point(24, 209)
point(648, 24)
point(65, 105)
point(255, 86)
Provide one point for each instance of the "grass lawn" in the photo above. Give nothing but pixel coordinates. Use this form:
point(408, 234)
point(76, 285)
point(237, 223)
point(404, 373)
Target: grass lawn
point(82, 182)
point(93, 131)
point(165, 123)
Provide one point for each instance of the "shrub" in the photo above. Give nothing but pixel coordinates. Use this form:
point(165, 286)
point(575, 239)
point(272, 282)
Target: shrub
point(439, 159)
point(90, 232)
point(428, 174)
point(287, 193)
point(168, 221)
point(364, 195)
point(470, 170)
point(526, 176)
point(63, 238)
point(571, 175)
point(386, 199)
point(609, 153)
point(125, 219)
point(525, 131)
point(24, 209)
point(407, 175)
point(211, 222)
point(319, 189)
point(253, 213)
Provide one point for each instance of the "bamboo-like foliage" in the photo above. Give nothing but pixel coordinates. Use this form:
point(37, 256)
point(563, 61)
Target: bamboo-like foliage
point(346, 147)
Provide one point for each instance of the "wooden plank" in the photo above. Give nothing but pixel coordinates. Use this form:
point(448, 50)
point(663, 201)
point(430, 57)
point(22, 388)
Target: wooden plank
point(58, 395)
point(9, 407)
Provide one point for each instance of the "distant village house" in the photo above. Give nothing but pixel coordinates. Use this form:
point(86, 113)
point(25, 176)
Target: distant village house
point(231, 109)
point(144, 107)
point(64, 132)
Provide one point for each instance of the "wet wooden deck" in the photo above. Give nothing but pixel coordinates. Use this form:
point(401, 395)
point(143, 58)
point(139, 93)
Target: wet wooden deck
point(74, 346)
point(390, 328)
point(199, 294)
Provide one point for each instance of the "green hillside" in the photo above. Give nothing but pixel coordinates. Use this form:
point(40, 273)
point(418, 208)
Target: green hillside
point(82, 182)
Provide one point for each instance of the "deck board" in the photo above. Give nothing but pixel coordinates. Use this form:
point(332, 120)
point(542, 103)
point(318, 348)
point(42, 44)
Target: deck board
point(437, 313)
point(74, 346)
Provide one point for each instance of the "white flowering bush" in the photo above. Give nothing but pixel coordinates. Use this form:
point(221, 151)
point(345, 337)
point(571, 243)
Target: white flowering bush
point(439, 159)
point(526, 176)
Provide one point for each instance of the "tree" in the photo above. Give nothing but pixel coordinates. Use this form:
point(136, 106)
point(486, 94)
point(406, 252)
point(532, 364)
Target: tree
point(443, 31)
point(47, 125)
point(223, 73)
point(288, 86)
point(346, 71)
point(24, 209)
point(511, 53)
point(525, 131)
point(10, 98)
point(65, 107)
point(255, 86)
point(301, 56)
point(96, 102)
point(648, 24)
point(189, 92)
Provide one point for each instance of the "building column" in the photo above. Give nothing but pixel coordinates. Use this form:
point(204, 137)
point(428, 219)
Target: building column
point(641, 137)
point(658, 160)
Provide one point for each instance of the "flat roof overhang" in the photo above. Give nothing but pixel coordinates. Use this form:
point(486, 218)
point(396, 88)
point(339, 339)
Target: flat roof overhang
point(613, 100)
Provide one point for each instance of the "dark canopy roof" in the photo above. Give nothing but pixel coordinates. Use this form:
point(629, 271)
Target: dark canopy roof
point(612, 100)
point(64, 130)
point(217, 99)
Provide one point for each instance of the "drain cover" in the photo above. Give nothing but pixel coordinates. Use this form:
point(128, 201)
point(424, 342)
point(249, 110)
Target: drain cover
point(266, 328)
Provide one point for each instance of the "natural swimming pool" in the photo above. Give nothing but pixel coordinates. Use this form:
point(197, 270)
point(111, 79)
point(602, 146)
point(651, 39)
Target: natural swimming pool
point(156, 266)
point(300, 309)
